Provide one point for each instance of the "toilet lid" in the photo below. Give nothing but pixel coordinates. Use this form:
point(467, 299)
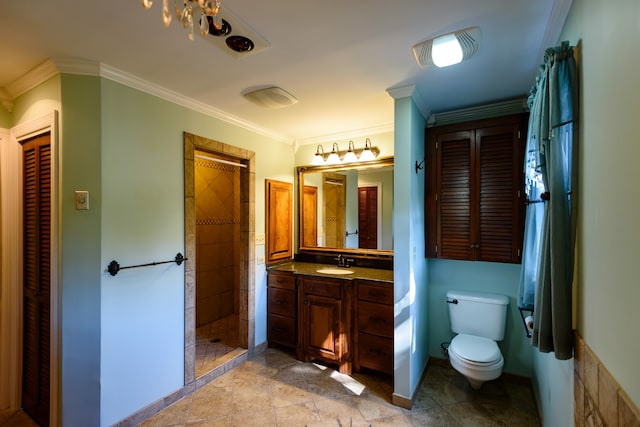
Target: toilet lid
point(475, 349)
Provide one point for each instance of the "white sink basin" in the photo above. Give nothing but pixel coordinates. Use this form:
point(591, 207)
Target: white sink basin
point(334, 271)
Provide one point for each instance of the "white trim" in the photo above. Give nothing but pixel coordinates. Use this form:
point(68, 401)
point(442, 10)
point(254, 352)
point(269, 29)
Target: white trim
point(557, 18)
point(130, 80)
point(33, 78)
point(345, 135)
point(11, 202)
point(56, 66)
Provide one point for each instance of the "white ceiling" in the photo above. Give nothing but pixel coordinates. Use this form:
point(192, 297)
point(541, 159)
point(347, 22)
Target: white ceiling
point(337, 57)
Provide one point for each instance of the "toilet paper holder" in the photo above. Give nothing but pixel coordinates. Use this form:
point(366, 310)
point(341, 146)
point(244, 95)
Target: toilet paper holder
point(524, 319)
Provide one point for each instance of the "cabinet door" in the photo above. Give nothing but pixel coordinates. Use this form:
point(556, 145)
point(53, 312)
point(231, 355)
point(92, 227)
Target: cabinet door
point(456, 198)
point(473, 190)
point(278, 212)
point(498, 187)
point(321, 323)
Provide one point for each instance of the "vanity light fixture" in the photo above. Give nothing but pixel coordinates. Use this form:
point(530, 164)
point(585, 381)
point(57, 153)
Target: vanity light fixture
point(448, 49)
point(318, 159)
point(367, 154)
point(351, 154)
point(334, 157)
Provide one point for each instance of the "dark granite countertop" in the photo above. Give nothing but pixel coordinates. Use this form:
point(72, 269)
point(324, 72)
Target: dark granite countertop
point(310, 269)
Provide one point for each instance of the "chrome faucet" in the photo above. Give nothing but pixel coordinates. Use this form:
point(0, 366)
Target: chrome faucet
point(343, 261)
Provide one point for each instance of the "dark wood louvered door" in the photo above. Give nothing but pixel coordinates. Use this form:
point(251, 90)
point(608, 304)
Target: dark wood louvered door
point(456, 195)
point(498, 194)
point(473, 190)
point(36, 277)
point(368, 217)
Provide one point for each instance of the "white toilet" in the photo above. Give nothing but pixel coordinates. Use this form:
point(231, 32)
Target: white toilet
point(479, 320)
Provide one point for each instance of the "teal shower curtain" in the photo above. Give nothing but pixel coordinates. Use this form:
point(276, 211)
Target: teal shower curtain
point(551, 187)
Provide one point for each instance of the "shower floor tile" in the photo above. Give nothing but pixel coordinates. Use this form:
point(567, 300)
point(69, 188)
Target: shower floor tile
point(214, 341)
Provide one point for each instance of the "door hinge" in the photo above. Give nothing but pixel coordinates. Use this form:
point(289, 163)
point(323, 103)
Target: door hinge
point(436, 248)
point(518, 134)
point(436, 197)
point(519, 253)
point(436, 145)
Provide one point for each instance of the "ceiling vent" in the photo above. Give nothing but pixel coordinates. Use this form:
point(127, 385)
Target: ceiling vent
point(468, 41)
point(271, 97)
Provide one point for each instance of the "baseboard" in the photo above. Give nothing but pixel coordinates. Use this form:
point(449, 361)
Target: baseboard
point(159, 405)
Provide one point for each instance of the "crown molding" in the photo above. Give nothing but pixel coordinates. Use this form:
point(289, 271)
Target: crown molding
point(409, 91)
point(31, 79)
point(555, 23)
point(374, 130)
point(145, 86)
point(53, 67)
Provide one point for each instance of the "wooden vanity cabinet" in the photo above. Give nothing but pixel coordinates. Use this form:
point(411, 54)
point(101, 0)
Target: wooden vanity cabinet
point(373, 341)
point(325, 321)
point(282, 305)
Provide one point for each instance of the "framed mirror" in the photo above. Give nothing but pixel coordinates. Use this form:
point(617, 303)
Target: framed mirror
point(346, 208)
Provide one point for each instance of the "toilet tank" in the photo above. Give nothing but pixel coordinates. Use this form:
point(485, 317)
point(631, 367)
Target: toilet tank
point(478, 313)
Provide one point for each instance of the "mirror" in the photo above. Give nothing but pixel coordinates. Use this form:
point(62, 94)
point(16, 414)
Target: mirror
point(346, 207)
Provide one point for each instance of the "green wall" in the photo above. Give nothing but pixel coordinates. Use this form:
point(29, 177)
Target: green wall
point(80, 233)
point(608, 232)
point(411, 288)
point(143, 221)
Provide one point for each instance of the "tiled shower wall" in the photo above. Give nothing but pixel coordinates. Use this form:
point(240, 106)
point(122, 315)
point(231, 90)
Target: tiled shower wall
point(217, 189)
point(599, 400)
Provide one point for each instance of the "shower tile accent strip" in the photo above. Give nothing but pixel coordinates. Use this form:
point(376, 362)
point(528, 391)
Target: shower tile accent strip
point(598, 398)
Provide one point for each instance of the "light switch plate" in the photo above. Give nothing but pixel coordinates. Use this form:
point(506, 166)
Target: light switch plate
point(260, 238)
point(260, 260)
point(82, 200)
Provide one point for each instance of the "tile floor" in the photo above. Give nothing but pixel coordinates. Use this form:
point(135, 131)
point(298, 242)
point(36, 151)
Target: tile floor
point(274, 389)
point(215, 340)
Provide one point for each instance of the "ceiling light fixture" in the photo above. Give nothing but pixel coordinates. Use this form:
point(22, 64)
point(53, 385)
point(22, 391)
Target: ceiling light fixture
point(448, 49)
point(270, 97)
point(205, 11)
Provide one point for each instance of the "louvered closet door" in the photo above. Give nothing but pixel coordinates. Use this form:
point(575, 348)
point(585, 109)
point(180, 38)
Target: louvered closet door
point(36, 282)
point(498, 193)
point(456, 205)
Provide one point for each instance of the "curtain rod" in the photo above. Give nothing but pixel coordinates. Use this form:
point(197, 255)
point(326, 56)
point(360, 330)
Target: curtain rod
point(226, 162)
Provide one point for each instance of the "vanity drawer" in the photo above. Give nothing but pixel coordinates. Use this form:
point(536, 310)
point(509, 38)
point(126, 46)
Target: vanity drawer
point(330, 288)
point(375, 319)
point(375, 352)
point(281, 330)
point(282, 281)
point(281, 301)
point(375, 292)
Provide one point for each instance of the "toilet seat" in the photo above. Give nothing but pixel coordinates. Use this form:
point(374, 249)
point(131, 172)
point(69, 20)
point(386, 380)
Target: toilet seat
point(476, 351)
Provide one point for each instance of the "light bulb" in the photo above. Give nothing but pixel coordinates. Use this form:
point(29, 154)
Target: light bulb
point(446, 50)
point(166, 14)
point(204, 25)
point(318, 158)
point(334, 158)
point(351, 155)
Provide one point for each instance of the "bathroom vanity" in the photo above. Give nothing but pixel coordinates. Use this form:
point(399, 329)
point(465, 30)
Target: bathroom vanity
point(343, 317)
